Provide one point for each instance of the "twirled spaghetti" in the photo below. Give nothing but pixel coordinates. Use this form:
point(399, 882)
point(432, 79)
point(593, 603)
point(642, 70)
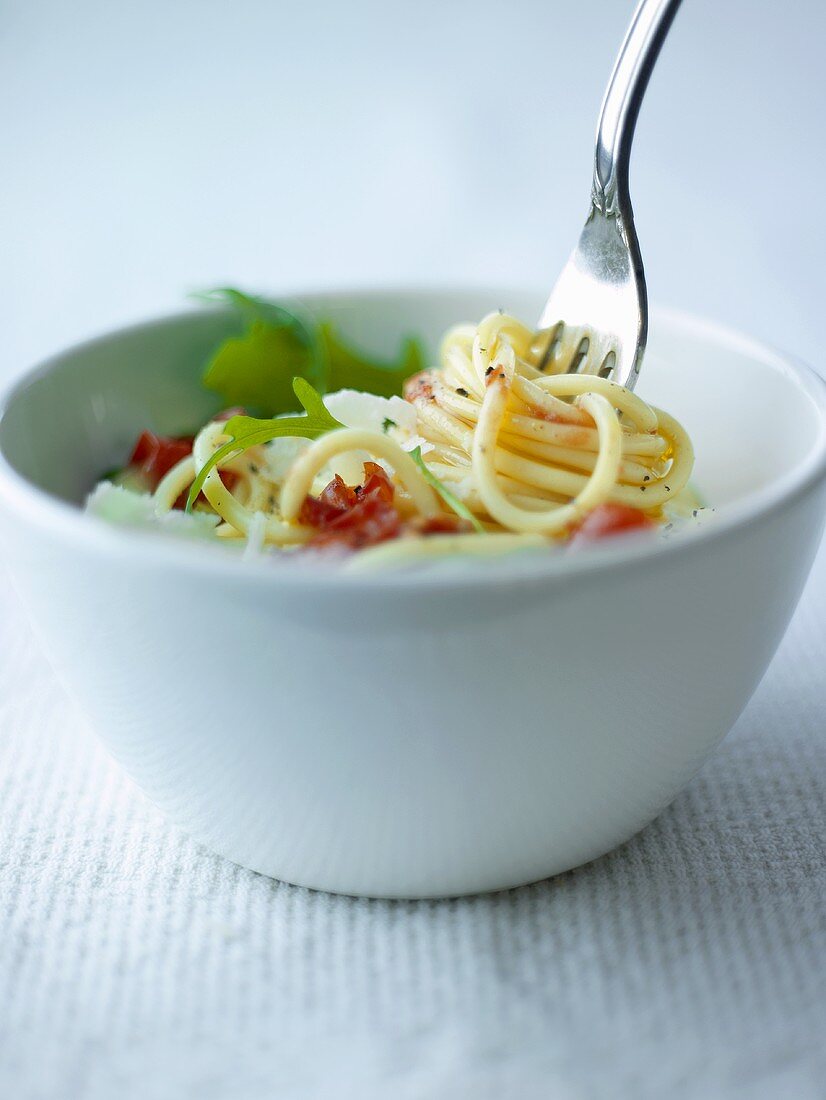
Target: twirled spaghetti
point(503, 456)
point(532, 460)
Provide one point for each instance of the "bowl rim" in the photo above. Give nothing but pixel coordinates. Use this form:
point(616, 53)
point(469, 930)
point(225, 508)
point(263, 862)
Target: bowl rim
point(145, 548)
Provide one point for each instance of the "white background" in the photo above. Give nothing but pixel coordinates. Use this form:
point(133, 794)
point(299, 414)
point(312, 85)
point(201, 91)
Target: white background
point(152, 148)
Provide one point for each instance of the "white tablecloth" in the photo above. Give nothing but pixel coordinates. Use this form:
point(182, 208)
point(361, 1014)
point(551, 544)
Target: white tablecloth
point(690, 963)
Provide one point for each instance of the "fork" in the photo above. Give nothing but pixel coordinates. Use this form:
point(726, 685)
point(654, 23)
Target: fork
point(596, 319)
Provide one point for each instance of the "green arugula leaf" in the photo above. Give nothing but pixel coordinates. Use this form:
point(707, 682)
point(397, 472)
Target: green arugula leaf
point(256, 370)
point(450, 500)
point(250, 431)
point(350, 369)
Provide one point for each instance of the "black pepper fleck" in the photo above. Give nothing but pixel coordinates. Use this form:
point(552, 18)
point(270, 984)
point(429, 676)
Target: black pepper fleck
point(488, 372)
point(461, 391)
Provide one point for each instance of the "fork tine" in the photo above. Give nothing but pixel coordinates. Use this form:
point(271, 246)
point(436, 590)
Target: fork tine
point(545, 345)
point(568, 349)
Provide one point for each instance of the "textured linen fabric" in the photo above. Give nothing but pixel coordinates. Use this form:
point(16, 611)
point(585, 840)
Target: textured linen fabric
point(687, 964)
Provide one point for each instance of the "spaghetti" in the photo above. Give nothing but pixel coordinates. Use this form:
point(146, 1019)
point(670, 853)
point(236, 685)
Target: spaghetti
point(501, 456)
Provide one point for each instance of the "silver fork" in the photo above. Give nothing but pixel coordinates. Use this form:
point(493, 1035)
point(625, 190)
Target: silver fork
point(596, 319)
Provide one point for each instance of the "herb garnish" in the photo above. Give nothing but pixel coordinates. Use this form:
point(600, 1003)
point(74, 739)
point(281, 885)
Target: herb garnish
point(350, 369)
point(256, 370)
point(450, 500)
point(249, 431)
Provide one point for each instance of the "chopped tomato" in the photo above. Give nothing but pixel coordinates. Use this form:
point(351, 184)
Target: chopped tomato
point(376, 483)
point(352, 518)
point(155, 455)
point(334, 501)
point(338, 499)
point(371, 521)
point(315, 512)
point(338, 495)
point(607, 520)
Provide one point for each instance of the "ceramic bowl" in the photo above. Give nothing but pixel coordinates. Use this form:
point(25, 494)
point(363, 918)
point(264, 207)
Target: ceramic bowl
point(413, 733)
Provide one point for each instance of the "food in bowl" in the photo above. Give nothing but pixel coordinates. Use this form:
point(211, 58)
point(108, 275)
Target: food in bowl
point(546, 705)
point(485, 454)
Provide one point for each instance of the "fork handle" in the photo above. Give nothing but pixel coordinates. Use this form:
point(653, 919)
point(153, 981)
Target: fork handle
point(621, 105)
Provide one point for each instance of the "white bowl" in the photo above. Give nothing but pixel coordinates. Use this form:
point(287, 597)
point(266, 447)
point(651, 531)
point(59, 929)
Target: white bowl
point(412, 734)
